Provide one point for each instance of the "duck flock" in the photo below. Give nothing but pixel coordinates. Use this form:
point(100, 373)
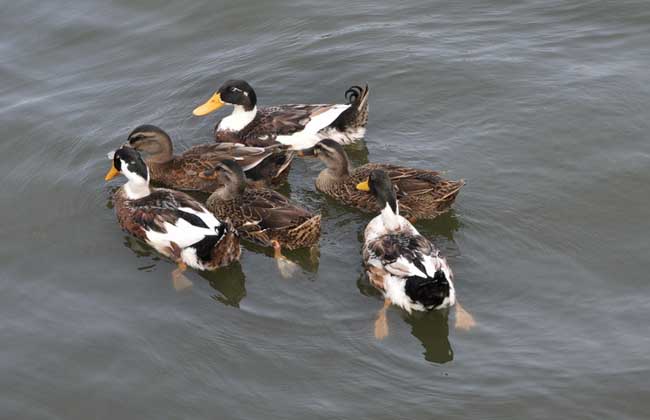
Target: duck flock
point(252, 154)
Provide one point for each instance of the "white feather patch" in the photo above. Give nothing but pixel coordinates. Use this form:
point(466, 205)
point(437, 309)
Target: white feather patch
point(239, 119)
point(309, 136)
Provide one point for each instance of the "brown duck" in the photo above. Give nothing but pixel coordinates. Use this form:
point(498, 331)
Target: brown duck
point(262, 165)
point(423, 194)
point(262, 215)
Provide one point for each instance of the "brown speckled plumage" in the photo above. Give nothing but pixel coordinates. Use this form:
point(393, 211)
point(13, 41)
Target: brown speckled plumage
point(186, 171)
point(422, 194)
point(264, 165)
point(264, 215)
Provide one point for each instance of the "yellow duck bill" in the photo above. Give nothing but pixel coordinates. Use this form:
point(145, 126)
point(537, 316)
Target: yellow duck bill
point(363, 186)
point(112, 173)
point(211, 105)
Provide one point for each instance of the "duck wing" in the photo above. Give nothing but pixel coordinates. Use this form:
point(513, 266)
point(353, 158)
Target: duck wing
point(167, 215)
point(272, 210)
point(207, 156)
point(288, 124)
point(402, 255)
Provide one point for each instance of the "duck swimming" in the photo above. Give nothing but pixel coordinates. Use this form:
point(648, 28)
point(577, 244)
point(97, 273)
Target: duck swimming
point(262, 215)
point(402, 264)
point(298, 126)
point(172, 222)
point(423, 194)
point(263, 165)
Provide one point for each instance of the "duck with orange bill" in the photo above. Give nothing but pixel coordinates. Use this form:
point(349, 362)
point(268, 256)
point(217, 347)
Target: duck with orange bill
point(402, 264)
point(172, 222)
point(423, 193)
point(298, 126)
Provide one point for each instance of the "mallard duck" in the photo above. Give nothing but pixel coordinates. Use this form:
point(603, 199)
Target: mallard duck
point(299, 126)
point(262, 215)
point(402, 264)
point(263, 165)
point(423, 194)
point(172, 222)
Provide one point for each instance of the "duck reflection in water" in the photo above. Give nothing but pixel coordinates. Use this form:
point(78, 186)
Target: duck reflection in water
point(229, 281)
point(430, 328)
point(291, 262)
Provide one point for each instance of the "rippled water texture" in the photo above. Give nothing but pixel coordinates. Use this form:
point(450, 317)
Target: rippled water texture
point(543, 107)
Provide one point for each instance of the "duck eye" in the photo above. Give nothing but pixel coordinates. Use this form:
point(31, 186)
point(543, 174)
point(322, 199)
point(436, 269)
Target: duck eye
point(234, 89)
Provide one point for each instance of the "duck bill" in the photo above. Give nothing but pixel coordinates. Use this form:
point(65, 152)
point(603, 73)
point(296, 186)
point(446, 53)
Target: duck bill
point(112, 173)
point(211, 105)
point(363, 186)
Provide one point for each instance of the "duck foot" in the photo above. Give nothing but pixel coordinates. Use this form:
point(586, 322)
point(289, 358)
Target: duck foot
point(287, 267)
point(179, 280)
point(464, 320)
point(381, 323)
point(314, 254)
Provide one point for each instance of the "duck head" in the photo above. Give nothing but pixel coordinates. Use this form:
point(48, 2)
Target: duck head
point(128, 162)
point(333, 156)
point(231, 177)
point(232, 92)
point(380, 185)
point(153, 141)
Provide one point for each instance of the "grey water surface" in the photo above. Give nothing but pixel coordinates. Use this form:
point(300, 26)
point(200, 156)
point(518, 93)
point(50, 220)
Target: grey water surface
point(543, 107)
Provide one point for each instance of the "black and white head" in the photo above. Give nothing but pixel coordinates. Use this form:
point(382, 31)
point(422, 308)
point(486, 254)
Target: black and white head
point(128, 162)
point(232, 92)
point(332, 155)
point(380, 185)
point(153, 141)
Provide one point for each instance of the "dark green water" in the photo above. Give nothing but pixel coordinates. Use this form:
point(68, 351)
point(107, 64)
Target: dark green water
point(543, 107)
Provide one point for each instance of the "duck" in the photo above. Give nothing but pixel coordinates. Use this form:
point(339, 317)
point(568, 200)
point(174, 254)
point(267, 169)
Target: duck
point(298, 126)
point(173, 223)
point(423, 193)
point(264, 166)
point(262, 215)
point(401, 263)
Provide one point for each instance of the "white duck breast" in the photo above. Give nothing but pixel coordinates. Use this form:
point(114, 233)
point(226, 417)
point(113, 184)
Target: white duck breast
point(239, 119)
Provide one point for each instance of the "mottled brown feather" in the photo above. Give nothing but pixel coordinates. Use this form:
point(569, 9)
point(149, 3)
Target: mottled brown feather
point(186, 171)
point(264, 215)
point(422, 194)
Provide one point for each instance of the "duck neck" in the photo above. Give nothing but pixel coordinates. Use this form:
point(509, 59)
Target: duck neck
point(227, 192)
point(137, 188)
point(390, 217)
point(337, 169)
point(239, 119)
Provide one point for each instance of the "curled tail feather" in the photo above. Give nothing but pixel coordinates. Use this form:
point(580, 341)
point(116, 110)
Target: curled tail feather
point(356, 116)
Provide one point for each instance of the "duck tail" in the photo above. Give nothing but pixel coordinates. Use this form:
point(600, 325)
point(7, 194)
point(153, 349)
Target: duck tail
point(356, 116)
point(220, 249)
point(307, 233)
point(274, 167)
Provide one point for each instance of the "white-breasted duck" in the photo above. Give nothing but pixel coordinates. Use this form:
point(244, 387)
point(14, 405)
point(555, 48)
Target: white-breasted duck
point(172, 222)
point(299, 126)
point(402, 264)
